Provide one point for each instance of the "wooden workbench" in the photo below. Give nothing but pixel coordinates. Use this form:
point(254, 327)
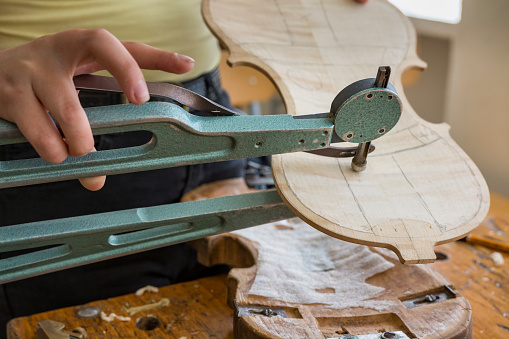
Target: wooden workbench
point(474, 275)
point(198, 309)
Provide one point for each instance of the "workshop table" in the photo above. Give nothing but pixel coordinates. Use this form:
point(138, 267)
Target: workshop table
point(198, 309)
point(474, 275)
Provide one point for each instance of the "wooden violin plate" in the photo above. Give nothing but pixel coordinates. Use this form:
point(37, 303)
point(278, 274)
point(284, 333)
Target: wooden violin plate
point(420, 189)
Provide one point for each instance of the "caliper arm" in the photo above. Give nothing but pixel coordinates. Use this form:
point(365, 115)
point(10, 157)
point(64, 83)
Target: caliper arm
point(179, 138)
point(360, 113)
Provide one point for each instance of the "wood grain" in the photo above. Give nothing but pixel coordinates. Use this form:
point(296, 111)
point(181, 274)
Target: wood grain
point(192, 306)
point(269, 255)
point(198, 309)
point(475, 275)
point(419, 188)
point(450, 319)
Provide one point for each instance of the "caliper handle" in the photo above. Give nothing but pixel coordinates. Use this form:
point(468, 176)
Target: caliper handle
point(179, 138)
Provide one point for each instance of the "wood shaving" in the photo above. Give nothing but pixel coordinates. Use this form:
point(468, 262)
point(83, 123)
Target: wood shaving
point(497, 258)
point(113, 316)
point(313, 268)
point(147, 288)
point(136, 309)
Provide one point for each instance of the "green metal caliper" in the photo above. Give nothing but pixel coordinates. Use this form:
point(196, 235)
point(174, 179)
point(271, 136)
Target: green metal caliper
point(362, 112)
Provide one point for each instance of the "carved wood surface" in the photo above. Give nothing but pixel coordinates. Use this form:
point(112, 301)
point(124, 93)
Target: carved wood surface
point(419, 189)
point(326, 287)
point(360, 293)
point(198, 308)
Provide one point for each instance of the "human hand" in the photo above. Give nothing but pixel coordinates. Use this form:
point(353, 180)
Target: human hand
point(37, 78)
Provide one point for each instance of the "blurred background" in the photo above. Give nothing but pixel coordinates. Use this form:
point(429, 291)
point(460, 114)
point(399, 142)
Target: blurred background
point(466, 85)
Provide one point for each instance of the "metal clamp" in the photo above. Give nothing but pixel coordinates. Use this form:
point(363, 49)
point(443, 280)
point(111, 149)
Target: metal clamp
point(384, 335)
point(265, 311)
point(444, 294)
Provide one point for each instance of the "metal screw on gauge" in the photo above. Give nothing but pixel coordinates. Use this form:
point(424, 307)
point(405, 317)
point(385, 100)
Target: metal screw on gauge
point(389, 335)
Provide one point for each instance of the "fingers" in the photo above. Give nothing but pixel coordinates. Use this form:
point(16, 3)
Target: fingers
point(38, 127)
point(149, 57)
point(94, 183)
point(61, 99)
point(102, 47)
point(37, 78)
point(124, 60)
point(56, 90)
point(88, 68)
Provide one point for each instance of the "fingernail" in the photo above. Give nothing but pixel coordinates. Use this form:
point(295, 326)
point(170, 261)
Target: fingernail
point(185, 58)
point(141, 92)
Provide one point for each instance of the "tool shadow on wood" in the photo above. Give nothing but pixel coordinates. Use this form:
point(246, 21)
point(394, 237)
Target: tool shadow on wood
point(419, 188)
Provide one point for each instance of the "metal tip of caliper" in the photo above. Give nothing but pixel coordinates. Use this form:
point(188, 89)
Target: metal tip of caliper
point(359, 161)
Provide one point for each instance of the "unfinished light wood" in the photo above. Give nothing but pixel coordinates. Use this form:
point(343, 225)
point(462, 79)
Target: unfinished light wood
point(419, 189)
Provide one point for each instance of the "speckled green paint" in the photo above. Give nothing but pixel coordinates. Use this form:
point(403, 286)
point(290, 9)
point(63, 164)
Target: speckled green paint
point(179, 139)
point(367, 115)
point(79, 240)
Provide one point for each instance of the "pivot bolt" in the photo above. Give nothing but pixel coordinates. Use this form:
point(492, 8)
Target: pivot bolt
point(431, 298)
